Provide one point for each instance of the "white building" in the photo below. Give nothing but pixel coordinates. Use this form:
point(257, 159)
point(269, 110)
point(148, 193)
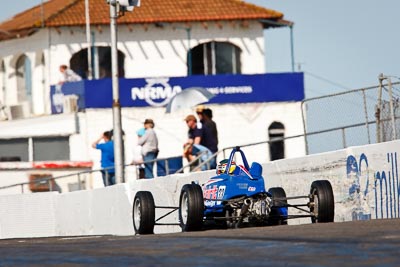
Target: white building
point(161, 39)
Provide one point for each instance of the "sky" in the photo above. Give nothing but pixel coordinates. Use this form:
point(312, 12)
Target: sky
point(339, 44)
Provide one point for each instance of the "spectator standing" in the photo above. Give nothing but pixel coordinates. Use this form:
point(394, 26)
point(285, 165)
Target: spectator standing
point(106, 145)
point(194, 133)
point(68, 75)
point(137, 155)
point(209, 133)
point(194, 137)
point(199, 112)
point(149, 143)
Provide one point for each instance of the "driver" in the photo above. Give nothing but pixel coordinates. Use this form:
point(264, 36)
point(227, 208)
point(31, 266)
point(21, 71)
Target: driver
point(222, 166)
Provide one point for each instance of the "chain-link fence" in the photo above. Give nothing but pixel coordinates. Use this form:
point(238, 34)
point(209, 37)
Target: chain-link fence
point(388, 112)
point(356, 117)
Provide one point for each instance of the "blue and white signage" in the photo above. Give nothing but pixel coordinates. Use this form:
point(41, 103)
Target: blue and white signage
point(156, 92)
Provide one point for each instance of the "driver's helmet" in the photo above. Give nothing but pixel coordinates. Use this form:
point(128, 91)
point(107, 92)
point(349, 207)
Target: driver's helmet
point(222, 166)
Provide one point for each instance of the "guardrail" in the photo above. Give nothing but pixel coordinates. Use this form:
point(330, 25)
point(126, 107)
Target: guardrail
point(50, 181)
point(342, 130)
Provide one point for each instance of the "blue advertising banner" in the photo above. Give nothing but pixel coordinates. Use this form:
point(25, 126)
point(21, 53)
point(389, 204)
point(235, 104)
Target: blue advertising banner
point(276, 87)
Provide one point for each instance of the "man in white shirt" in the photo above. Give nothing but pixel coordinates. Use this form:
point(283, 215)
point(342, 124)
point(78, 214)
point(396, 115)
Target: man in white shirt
point(68, 75)
point(149, 143)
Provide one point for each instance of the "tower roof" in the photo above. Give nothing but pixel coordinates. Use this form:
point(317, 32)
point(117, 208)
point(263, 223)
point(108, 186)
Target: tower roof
point(61, 13)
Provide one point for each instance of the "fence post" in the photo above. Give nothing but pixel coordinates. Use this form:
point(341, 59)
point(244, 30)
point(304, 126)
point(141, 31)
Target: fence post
point(166, 167)
point(79, 182)
point(50, 184)
point(344, 138)
point(366, 116)
point(392, 115)
point(378, 110)
point(303, 104)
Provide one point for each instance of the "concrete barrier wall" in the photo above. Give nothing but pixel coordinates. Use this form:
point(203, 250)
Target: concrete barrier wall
point(28, 215)
point(364, 179)
point(95, 212)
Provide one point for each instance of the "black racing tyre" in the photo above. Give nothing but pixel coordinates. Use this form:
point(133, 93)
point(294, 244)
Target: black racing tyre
point(191, 208)
point(322, 202)
point(279, 209)
point(143, 213)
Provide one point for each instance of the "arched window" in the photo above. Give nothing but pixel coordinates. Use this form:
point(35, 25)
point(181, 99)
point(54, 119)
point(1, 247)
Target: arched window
point(24, 79)
point(276, 132)
point(79, 63)
point(216, 58)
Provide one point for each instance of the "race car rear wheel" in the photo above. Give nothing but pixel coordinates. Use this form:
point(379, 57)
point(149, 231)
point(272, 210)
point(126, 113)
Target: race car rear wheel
point(322, 203)
point(191, 208)
point(143, 213)
point(279, 210)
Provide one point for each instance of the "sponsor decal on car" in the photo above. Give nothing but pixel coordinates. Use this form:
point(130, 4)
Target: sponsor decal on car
point(242, 185)
point(251, 189)
point(212, 193)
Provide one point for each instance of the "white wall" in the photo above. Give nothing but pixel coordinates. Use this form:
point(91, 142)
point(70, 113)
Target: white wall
point(150, 52)
point(55, 125)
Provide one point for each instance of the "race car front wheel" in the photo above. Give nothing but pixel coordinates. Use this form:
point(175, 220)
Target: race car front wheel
point(191, 208)
point(322, 203)
point(143, 213)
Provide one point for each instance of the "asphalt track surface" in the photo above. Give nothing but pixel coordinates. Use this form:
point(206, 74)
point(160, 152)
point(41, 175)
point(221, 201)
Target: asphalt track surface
point(361, 243)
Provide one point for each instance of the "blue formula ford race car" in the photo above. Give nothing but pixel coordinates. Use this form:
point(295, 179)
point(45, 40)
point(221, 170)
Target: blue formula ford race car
point(234, 198)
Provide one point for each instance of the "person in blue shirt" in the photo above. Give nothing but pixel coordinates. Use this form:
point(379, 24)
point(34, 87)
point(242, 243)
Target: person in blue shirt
point(107, 157)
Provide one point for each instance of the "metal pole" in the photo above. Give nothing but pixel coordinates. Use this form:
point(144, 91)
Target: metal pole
point(188, 30)
point(88, 40)
point(366, 116)
point(344, 138)
point(79, 182)
point(95, 58)
point(116, 107)
point(166, 165)
point(392, 115)
point(291, 46)
point(303, 114)
point(378, 110)
point(42, 14)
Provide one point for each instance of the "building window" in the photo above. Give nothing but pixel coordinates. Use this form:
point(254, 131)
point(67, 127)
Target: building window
point(24, 79)
point(101, 59)
point(41, 149)
point(50, 148)
point(276, 132)
point(14, 149)
point(216, 58)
